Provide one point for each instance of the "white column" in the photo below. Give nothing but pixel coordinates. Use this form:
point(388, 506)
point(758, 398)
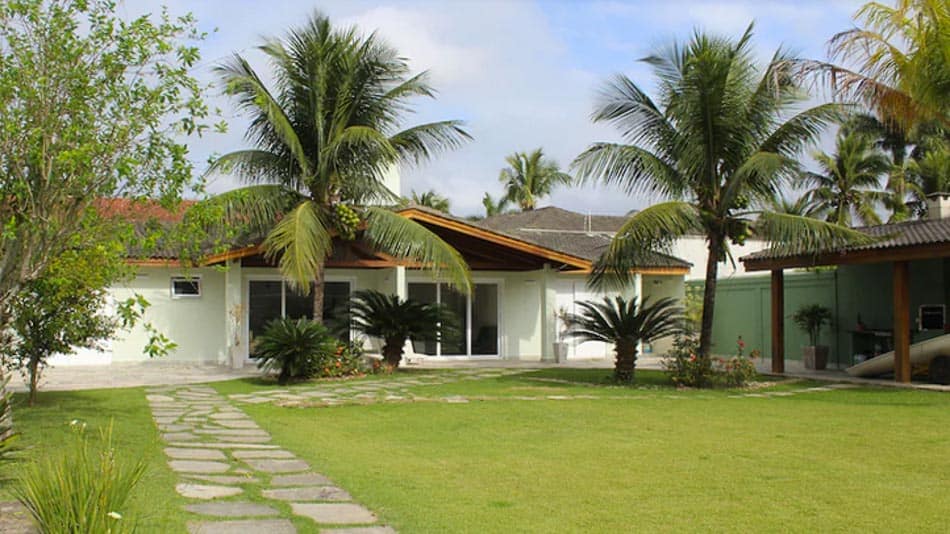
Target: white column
point(548, 311)
point(234, 312)
point(401, 288)
point(638, 298)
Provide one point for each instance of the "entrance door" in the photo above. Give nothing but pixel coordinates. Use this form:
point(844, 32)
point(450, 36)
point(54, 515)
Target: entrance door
point(273, 299)
point(476, 317)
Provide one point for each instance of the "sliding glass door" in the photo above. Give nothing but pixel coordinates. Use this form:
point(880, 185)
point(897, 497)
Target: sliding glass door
point(477, 317)
point(272, 299)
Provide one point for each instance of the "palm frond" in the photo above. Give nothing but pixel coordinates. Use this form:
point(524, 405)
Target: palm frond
point(789, 234)
point(423, 142)
point(633, 168)
point(407, 239)
point(301, 243)
point(253, 209)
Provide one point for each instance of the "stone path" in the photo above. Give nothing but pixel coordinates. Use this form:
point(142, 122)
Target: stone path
point(392, 389)
point(397, 390)
point(236, 480)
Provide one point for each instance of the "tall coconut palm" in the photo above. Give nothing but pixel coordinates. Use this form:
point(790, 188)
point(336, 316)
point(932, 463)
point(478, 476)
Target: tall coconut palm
point(529, 177)
point(324, 133)
point(431, 199)
point(721, 136)
point(494, 207)
point(900, 57)
point(624, 324)
point(850, 180)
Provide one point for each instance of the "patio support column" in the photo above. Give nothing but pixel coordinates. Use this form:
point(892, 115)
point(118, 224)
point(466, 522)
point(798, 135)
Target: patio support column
point(234, 314)
point(399, 279)
point(638, 298)
point(901, 322)
point(778, 321)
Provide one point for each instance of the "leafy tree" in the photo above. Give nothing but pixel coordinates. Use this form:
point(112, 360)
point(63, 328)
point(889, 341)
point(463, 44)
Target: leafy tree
point(324, 134)
point(431, 199)
point(529, 177)
point(395, 321)
point(901, 55)
point(624, 324)
point(721, 136)
point(849, 180)
point(494, 207)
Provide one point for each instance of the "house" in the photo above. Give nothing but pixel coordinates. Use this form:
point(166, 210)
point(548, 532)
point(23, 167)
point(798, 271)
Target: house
point(885, 296)
point(526, 268)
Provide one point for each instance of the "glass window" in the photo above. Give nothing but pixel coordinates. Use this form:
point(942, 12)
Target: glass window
point(426, 293)
point(264, 305)
point(183, 286)
point(298, 305)
point(485, 320)
point(454, 343)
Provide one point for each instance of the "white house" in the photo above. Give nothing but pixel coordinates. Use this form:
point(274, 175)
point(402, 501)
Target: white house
point(527, 268)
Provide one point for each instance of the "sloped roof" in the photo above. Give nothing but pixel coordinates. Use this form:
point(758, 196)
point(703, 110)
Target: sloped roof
point(570, 232)
point(894, 237)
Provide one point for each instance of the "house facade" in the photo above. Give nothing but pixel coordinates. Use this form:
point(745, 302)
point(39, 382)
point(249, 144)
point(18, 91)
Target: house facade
point(527, 270)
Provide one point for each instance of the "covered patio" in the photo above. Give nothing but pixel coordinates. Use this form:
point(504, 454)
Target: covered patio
point(907, 269)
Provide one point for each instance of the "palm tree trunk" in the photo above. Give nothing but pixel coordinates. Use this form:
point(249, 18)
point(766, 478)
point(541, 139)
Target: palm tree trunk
point(392, 351)
point(709, 296)
point(625, 365)
point(318, 292)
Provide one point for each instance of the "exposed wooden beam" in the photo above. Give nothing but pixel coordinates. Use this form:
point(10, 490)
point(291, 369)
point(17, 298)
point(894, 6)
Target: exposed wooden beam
point(778, 321)
point(901, 322)
point(878, 255)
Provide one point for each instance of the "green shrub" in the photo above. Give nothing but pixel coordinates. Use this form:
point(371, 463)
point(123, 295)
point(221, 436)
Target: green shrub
point(685, 367)
point(346, 360)
point(294, 349)
point(82, 489)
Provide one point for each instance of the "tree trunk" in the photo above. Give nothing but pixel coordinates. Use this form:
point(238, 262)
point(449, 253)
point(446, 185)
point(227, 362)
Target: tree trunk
point(709, 296)
point(392, 351)
point(625, 364)
point(6, 411)
point(318, 292)
point(34, 369)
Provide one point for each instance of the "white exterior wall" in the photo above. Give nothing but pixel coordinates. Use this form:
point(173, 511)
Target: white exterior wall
point(692, 248)
point(197, 324)
point(657, 287)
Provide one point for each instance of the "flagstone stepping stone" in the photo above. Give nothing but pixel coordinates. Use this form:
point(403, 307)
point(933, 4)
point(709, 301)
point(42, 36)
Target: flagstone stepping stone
point(194, 454)
point(175, 428)
point(204, 491)
point(255, 400)
point(305, 479)
point(359, 530)
point(159, 398)
point(334, 514)
point(275, 454)
point(256, 446)
point(231, 509)
point(313, 493)
point(229, 415)
point(165, 420)
point(179, 436)
point(237, 423)
point(270, 526)
point(198, 466)
point(224, 479)
point(256, 432)
point(244, 439)
point(278, 466)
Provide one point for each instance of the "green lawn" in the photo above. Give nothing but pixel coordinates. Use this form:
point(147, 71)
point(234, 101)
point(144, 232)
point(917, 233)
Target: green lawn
point(45, 429)
point(645, 459)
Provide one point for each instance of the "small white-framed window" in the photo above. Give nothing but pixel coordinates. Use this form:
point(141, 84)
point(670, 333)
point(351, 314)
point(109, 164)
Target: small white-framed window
point(186, 287)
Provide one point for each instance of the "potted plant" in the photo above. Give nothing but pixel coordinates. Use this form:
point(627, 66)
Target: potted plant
point(810, 319)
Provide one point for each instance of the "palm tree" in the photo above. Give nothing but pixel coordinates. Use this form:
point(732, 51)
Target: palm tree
point(395, 320)
point(900, 52)
point(803, 206)
point(720, 138)
point(530, 176)
point(894, 140)
point(929, 170)
point(625, 324)
point(324, 135)
point(494, 207)
point(431, 199)
point(849, 180)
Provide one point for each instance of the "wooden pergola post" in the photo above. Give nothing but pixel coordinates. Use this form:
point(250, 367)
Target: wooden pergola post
point(901, 322)
point(778, 321)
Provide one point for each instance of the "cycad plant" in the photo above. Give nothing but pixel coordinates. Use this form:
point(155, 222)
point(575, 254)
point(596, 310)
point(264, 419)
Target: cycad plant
point(625, 324)
point(724, 135)
point(529, 177)
point(325, 132)
point(395, 321)
point(293, 348)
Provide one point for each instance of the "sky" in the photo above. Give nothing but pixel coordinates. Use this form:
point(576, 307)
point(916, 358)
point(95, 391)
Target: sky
point(521, 74)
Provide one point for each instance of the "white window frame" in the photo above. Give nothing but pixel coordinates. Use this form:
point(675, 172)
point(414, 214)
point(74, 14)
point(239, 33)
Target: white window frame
point(499, 283)
point(182, 278)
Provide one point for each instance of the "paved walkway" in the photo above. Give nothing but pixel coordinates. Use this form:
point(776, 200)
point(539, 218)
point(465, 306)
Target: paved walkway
point(132, 374)
point(228, 465)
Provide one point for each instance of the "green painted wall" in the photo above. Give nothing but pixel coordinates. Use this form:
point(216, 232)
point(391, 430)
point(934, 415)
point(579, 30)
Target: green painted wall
point(742, 306)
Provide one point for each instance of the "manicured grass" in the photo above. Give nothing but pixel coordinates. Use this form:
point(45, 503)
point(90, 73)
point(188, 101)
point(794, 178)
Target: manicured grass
point(652, 460)
point(45, 430)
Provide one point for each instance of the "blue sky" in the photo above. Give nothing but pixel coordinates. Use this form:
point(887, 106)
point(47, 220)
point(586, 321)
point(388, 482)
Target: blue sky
point(522, 74)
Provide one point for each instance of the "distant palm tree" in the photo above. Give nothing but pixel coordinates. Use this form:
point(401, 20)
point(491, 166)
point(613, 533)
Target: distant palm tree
point(324, 135)
point(529, 177)
point(850, 180)
point(803, 206)
point(721, 138)
point(624, 324)
point(896, 141)
point(494, 207)
point(929, 170)
point(431, 199)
